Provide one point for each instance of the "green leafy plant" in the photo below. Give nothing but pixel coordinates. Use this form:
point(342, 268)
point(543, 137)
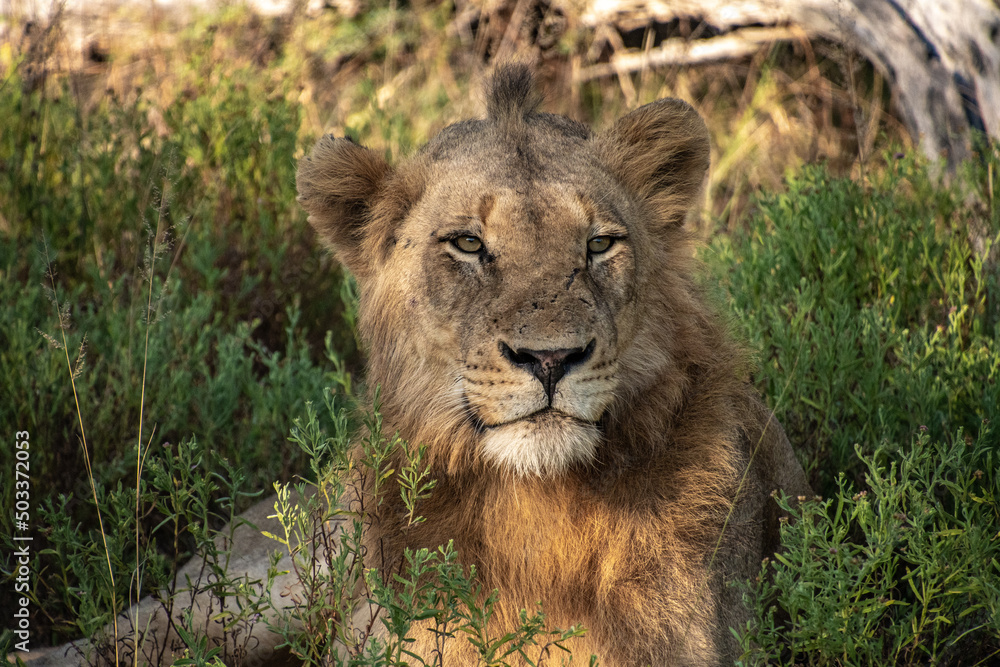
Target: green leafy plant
point(874, 305)
point(194, 507)
point(903, 572)
point(159, 286)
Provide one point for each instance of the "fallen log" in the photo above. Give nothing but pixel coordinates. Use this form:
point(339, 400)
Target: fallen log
point(941, 58)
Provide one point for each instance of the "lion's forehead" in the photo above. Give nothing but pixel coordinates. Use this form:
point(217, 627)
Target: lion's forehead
point(527, 215)
point(526, 218)
point(543, 138)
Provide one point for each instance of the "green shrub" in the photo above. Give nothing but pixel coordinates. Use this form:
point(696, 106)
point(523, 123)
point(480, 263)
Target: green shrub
point(876, 313)
point(97, 576)
point(157, 273)
point(904, 572)
point(871, 309)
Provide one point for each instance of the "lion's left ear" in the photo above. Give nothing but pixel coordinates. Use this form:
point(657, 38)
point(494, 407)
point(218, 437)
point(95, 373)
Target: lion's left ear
point(660, 151)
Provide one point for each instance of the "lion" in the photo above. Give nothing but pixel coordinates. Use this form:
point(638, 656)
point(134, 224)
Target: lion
point(532, 315)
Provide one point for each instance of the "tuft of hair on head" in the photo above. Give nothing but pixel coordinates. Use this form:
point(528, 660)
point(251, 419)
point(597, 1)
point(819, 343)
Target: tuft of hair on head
point(511, 95)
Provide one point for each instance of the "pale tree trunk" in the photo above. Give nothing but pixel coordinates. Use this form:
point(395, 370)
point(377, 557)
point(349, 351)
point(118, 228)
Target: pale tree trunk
point(940, 57)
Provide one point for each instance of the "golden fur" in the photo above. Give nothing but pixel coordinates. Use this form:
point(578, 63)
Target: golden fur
point(624, 488)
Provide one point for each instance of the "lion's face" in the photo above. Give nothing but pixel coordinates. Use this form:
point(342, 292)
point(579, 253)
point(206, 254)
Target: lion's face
point(503, 273)
point(525, 293)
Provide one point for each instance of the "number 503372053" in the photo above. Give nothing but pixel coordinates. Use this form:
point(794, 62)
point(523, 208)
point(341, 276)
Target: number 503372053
point(21, 479)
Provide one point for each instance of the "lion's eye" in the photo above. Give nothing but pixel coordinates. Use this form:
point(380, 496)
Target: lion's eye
point(468, 243)
point(600, 244)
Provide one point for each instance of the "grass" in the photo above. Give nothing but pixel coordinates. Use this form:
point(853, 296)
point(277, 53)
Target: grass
point(157, 273)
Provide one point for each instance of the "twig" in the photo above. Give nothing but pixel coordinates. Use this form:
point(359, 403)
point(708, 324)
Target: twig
point(679, 51)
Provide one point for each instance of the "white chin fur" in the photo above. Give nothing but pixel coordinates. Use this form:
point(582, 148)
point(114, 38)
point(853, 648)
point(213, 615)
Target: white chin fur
point(542, 445)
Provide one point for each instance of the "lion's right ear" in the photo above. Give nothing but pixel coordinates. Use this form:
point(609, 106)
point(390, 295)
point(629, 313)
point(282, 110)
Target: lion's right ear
point(338, 183)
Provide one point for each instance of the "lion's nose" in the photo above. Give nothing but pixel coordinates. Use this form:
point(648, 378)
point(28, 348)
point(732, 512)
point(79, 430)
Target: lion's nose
point(549, 366)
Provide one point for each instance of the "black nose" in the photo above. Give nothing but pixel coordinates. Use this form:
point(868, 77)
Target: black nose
point(549, 366)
